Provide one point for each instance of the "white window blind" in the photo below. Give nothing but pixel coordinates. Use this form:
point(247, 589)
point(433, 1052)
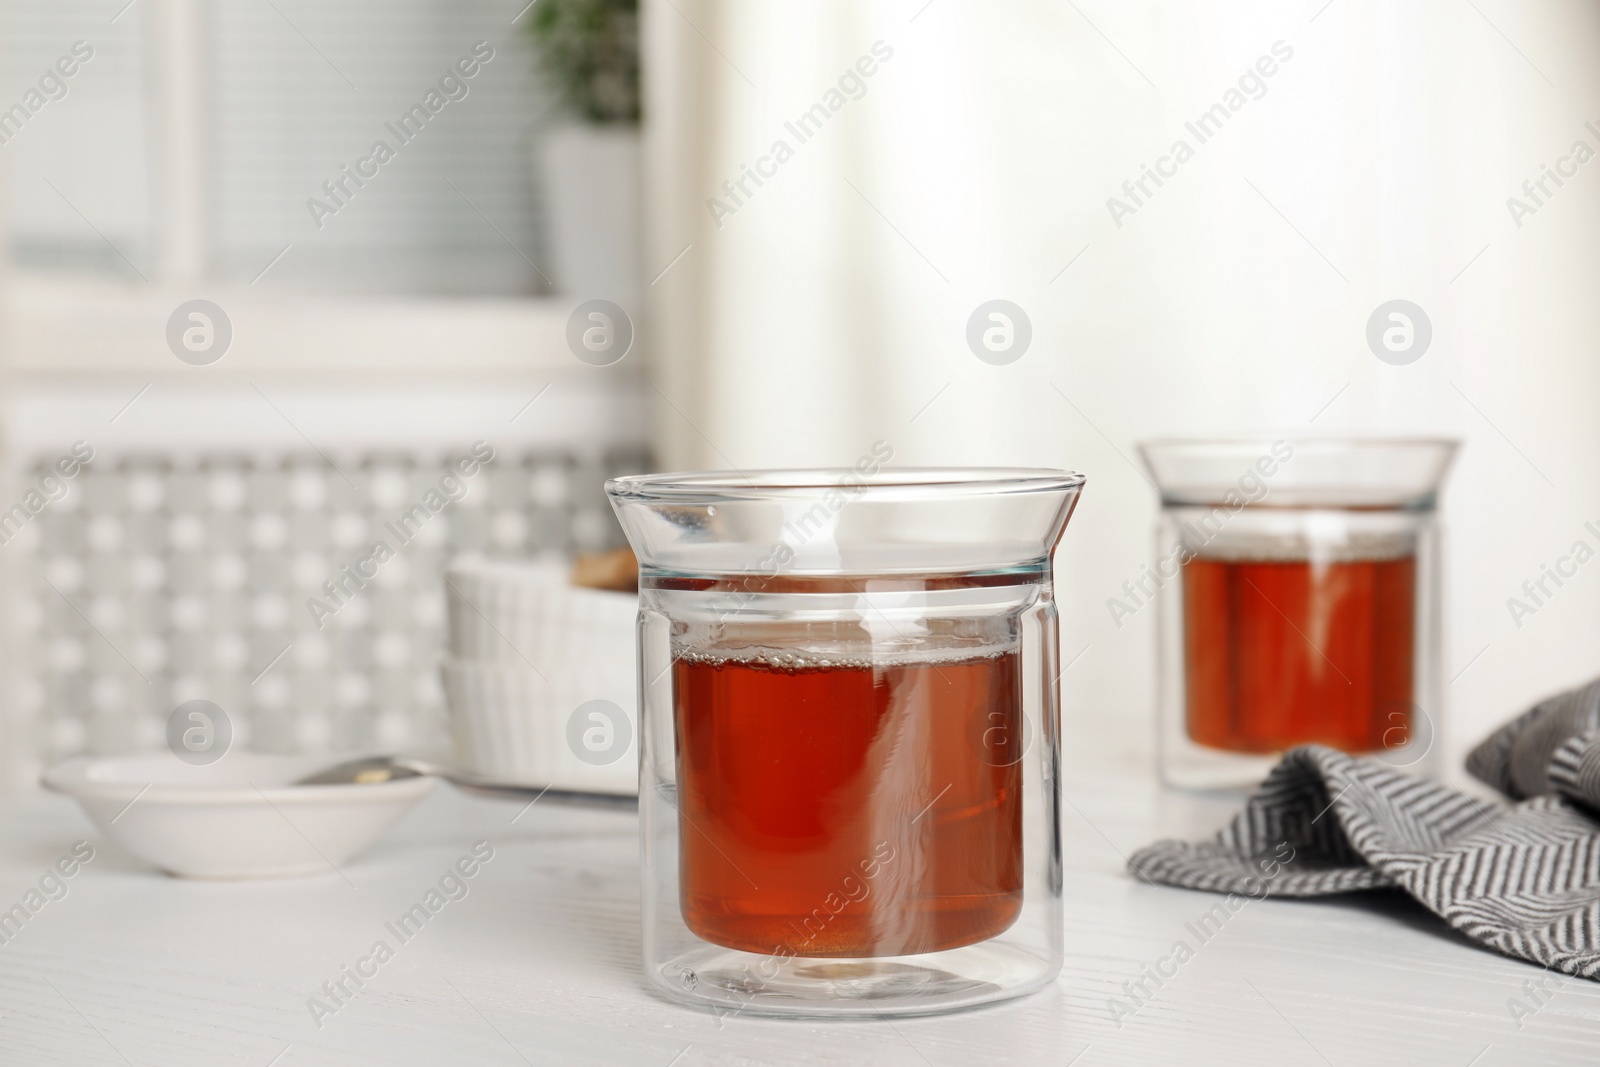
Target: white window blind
point(77, 169)
point(297, 94)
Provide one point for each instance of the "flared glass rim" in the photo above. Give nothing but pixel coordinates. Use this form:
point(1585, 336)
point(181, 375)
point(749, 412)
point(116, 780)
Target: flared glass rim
point(1330, 443)
point(886, 483)
point(1345, 471)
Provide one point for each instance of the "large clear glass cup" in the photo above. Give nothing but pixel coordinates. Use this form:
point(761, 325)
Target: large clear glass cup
point(1298, 590)
point(850, 735)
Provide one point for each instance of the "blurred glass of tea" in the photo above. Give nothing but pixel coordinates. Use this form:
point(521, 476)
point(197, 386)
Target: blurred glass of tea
point(1298, 582)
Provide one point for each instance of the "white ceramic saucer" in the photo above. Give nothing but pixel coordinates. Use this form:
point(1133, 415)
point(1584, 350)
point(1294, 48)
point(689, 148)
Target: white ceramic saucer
point(236, 818)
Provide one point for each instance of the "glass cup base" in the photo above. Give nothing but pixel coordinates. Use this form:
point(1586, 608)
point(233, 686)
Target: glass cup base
point(1185, 765)
point(727, 980)
point(1198, 768)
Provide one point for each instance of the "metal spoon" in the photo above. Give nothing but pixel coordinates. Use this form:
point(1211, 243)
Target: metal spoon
point(371, 770)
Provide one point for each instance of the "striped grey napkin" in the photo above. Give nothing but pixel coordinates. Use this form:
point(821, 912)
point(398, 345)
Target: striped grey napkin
point(1522, 878)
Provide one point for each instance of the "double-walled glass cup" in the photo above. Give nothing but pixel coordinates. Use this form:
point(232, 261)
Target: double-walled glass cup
point(850, 735)
point(1299, 590)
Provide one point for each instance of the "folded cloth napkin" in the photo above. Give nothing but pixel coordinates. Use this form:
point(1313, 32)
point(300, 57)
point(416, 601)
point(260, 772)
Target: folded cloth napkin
point(1522, 878)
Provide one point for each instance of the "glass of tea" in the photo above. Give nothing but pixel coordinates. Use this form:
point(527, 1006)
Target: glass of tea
point(1298, 582)
point(849, 735)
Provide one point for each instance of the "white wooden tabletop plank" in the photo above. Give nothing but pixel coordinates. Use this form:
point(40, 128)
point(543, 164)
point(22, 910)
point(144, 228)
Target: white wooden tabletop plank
point(539, 963)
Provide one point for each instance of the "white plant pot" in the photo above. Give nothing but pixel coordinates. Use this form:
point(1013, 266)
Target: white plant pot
point(592, 185)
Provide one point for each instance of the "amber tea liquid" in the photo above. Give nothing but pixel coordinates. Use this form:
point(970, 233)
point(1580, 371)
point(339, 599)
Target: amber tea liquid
point(842, 807)
point(1281, 653)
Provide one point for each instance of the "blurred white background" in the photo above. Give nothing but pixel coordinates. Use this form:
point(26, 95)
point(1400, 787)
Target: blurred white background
point(823, 309)
point(830, 310)
point(180, 160)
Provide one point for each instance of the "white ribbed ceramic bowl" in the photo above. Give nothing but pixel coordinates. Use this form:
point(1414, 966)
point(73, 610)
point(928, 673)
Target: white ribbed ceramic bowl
point(527, 651)
point(512, 725)
point(525, 612)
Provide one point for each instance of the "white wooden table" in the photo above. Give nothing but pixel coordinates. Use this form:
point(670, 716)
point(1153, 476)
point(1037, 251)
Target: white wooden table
point(539, 962)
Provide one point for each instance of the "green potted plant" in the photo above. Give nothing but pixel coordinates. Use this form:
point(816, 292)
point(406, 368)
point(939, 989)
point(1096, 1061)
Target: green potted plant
point(588, 55)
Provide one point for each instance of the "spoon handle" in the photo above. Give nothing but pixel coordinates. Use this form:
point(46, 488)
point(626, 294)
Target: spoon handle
point(383, 768)
point(544, 794)
point(471, 783)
